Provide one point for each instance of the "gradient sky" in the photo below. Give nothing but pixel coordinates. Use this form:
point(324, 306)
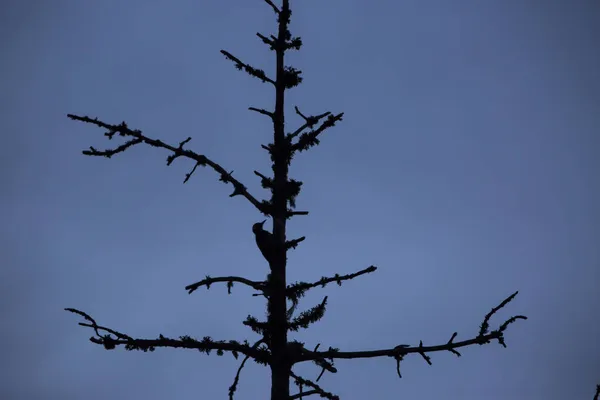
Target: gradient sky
point(466, 168)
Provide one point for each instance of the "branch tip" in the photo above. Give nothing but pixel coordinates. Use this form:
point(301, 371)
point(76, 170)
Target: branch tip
point(273, 6)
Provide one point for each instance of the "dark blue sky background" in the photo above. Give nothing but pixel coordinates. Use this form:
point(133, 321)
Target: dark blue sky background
point(466, 168)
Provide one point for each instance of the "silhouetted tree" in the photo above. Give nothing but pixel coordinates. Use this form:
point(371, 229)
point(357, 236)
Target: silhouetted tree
point(273, 349)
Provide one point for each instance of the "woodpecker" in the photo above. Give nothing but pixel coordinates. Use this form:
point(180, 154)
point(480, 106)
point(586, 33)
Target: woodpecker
point(265, 241)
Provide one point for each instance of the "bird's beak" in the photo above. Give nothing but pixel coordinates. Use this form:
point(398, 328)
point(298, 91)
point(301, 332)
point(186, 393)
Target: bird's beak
point(262, 223)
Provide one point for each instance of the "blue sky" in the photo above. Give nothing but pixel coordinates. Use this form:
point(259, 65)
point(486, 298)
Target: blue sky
point(466, 168)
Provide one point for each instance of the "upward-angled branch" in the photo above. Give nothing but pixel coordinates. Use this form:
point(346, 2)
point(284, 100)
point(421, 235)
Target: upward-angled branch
point(272, 41)
point(307, 317)
point(298, 289)
point(138, 137)
point(310, 139)
point(273, 6)
point(309, 122)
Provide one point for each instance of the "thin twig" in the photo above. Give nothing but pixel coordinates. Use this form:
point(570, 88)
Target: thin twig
point(236, 380)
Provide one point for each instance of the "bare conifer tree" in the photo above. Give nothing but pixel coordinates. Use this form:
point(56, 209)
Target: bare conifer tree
point(272, 349)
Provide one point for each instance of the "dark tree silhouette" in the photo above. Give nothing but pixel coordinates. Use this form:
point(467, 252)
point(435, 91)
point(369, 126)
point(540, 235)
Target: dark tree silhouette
point(272, 349)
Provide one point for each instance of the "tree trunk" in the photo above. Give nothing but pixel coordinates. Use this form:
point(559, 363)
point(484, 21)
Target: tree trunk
point(280, 381)
point(280, 367)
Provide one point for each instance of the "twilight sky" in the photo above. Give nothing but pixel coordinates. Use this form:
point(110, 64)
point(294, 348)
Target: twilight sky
point(466, 168)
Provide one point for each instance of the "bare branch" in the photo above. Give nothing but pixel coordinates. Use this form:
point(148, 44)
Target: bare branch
point(299, 288)
point(292, 244)
point(316, 388)
point(273, 6)
point(261, 111)
point(304, 394)
point(597, 396)
point(138, 137)
point(311, 120)
point(206, 345)
point(291, 213)
point(256, 285)
point(400, 351)
point(272, 42)
point(485, 325)
point(255, 72)
point(236, 380)
point(325, 365)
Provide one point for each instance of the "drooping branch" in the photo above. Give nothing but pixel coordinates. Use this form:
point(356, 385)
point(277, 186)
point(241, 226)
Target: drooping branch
point(298, 289)
point(236, 380)
point(255, 72)
point(138, 137)
point(400, 351)
point(256, 285)
point(206, 345)
point(316, 389)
